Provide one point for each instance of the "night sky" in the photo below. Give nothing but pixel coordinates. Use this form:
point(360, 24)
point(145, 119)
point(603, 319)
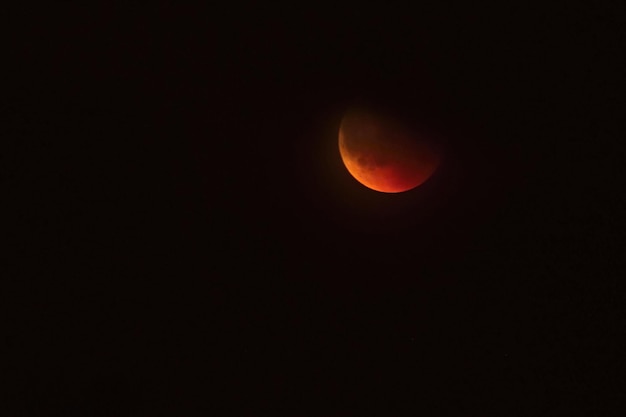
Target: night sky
point(184, 239)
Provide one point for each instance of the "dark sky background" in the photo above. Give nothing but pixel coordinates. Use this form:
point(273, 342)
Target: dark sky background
point(186, 241)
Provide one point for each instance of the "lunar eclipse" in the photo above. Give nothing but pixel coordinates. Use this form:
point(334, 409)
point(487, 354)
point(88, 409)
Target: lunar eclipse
point(382, 154)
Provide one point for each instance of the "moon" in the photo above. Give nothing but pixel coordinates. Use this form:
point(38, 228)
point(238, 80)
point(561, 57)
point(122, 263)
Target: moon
point(383, 155)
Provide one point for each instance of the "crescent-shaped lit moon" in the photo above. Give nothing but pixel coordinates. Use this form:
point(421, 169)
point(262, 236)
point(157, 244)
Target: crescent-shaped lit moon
point(383, 156)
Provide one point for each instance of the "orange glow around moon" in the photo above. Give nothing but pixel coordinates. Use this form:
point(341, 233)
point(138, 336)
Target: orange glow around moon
point(383, 156)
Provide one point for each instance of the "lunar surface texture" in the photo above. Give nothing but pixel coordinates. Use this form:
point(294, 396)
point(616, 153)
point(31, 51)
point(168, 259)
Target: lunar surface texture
point(383, 155)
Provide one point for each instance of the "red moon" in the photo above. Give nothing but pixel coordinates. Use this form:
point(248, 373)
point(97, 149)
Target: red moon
point(382, 155)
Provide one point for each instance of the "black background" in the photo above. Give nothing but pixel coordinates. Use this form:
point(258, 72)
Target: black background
point(186, 241)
